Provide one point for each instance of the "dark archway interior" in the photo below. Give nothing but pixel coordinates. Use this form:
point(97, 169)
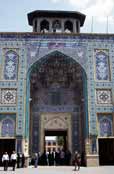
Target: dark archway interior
point(69, 26)
point(44, 25)
point(6, 145)
point(57, 81)
point(55, 78)
point(106, 151)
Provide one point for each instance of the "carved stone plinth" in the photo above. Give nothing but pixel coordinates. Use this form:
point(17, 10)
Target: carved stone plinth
point(92, 160)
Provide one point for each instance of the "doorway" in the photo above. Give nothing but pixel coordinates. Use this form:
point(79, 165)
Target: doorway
point(6, 145)
point(56, 125)
point(106, 151)
point(55, 140)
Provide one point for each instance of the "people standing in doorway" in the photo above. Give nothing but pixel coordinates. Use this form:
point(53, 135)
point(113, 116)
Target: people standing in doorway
point(83, 160)
point(77, 160)
point(49, 156)
point(67, 157)
point(13, 160)
point(44, 158)
point(39, 158)
point(23, 161)
point(57, 157)
point(5, 160)
point(62, 157)
point(19, 158)
point(35, 160)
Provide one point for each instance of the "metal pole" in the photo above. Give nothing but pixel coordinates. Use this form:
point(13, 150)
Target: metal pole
point(107, 25)
point(92, 25)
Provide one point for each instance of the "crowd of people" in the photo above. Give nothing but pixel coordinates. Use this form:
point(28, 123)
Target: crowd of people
point(56, 158)
point(50, 158)
point(13, 160)
point(59, 158)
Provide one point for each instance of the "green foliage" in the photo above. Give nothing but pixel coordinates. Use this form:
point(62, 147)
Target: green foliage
point(60, 140)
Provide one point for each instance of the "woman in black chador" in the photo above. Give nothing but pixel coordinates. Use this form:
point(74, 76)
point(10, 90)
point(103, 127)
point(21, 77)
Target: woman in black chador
point(44, 158)
point(18, 160)
point(67, 157)
point(23, 161)
point(49, 158)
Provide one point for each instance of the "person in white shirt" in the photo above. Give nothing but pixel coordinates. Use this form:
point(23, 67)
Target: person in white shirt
point(13, 159)
point(5, 160)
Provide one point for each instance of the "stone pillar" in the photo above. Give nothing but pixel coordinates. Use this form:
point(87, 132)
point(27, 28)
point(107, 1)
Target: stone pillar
point(50, 25)
point(34, 25)
point(26, 147)
point(87, 146)
point(22, 147)
point(26, 151)
point(78, 26)
point(38, 25)
point(74, 27)
point(62, 26)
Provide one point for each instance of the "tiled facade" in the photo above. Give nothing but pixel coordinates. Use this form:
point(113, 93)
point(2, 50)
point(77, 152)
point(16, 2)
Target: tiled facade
point(19, 52)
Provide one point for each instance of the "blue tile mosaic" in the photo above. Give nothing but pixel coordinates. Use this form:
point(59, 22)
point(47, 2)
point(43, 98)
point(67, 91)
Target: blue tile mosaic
point(81, 48)
point(11, 65)
point(102, 65)
point(105, 125)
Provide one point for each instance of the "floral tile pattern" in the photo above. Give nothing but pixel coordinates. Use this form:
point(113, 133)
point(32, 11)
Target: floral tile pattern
point(105, 125)
point(11, 64)
point(103, 96)
point(8, 96)
point(102, 65)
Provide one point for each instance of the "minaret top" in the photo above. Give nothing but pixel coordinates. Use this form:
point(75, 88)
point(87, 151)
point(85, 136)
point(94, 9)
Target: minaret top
point(56, 21)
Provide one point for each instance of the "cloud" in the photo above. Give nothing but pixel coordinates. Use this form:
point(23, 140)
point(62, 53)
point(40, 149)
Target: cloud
point(100, 8)
point(78, 3)
point(100, 11)
point(55, 1)
point(94, 7)
point(91, 7)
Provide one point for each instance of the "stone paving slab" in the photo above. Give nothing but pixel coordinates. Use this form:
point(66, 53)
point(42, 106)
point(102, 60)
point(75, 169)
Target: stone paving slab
point(61, 170)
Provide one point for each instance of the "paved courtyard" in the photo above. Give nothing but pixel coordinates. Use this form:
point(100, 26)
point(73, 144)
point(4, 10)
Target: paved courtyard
point(61, 170)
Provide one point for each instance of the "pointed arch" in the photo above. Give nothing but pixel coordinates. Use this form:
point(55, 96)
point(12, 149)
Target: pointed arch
point(43, 61)
point(68, 26)
point(44, 26)
point(53, 55)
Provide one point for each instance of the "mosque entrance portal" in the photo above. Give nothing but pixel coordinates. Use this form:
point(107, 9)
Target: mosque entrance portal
point(58, 95)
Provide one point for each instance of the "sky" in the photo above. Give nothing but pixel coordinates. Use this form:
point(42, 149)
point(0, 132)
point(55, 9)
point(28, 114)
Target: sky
point(99, 13)
point(50, 138)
